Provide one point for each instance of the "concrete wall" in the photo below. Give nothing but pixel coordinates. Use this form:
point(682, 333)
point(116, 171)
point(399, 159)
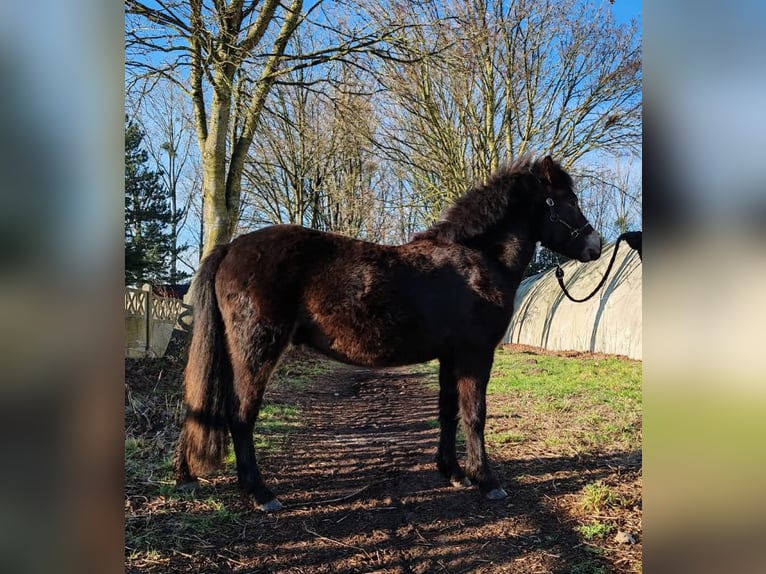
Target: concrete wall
point(610, 322)
point(163, 315)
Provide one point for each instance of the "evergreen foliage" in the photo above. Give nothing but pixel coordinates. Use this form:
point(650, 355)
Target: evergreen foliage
point(148, 240)
point(543, 260)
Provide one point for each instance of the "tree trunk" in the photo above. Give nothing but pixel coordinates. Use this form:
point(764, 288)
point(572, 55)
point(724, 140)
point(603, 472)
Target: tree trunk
point(218, 217)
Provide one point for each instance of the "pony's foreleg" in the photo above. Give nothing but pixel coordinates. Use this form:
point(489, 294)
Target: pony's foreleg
point(446, 455)
point(472, 379)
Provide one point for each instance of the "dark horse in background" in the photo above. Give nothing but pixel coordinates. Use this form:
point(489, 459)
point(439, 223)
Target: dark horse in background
point(447, 295)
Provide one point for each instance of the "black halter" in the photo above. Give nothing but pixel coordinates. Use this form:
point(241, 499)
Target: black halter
point(573, 232)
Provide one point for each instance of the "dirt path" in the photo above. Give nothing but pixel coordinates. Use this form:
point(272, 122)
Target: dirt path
point(362, 494)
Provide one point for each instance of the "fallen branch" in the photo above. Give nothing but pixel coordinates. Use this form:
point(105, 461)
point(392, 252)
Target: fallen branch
point(336, 541)
point(330, 500)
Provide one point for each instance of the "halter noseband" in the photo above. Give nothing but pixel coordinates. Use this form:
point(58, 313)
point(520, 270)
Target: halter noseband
point(573, 232)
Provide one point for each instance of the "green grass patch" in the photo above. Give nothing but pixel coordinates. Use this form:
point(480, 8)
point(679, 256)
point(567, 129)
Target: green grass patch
point(146, 460)
point(570, 405)
point(580, 404)
point(505, 437)
point(429, 369)
point(298, 369)
point(275, 424)
point(132, 447)
point(214, 514)
point(174, 526)
point(278, 418)
point(594, 530)
point(560, 380)
point(597, 497)
point(589, 567)
point(609, 379)
point(428, 372)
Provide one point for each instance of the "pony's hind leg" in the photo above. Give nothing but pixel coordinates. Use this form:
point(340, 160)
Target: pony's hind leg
point(254, 355)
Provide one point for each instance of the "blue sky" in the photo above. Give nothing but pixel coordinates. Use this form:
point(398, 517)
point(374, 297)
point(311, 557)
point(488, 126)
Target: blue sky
point(624, 10)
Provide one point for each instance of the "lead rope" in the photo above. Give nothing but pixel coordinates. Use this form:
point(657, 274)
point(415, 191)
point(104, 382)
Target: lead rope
point(560, 275)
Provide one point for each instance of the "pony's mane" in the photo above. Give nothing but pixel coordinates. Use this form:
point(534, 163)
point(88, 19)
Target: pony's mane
point(486, 204)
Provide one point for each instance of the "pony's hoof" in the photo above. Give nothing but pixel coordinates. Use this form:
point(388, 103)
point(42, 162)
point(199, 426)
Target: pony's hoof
point(460, 482)
point(271, 506)
point(496, 494)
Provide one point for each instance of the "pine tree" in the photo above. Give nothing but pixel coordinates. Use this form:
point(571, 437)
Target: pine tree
point(543, 260)
point(148, 241)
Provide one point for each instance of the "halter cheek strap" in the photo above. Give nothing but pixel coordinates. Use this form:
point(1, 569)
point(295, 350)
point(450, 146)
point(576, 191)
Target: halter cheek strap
point(573, 232)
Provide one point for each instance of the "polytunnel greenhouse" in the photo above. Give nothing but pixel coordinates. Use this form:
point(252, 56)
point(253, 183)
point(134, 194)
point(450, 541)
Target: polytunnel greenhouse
point(610, 322)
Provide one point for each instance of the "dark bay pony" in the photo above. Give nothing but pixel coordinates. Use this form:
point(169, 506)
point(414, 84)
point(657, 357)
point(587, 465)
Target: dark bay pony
point(447, 295)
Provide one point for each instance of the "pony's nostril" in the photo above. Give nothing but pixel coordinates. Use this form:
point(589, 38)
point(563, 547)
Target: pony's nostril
point(590, 253)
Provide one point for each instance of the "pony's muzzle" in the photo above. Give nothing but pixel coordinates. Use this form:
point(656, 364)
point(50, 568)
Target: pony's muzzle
point(592, 249)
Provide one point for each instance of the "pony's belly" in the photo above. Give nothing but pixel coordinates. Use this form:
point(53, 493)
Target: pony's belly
point(366, 349)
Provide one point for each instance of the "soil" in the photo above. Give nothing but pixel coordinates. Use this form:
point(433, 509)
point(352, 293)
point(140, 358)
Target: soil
point(361, 494)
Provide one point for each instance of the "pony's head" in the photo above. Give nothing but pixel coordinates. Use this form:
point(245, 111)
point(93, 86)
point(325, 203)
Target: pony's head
point(533, 196)
point(561, 225)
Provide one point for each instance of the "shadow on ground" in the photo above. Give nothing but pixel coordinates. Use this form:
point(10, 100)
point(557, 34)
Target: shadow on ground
point(361, 494)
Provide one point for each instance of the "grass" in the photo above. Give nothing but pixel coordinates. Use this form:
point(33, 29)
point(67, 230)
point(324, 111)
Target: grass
point(594, 530)
point(579, 404)
point(153, 415)
point(558, 406)
point(539, 403)
point(428, 372)
point(168, 518)
point(589, 568)
point(597, 497)
point(275, 424)
point(562, 381)
point(504, 437)
point(176, 521)
point(298, 369)
point(573, 405)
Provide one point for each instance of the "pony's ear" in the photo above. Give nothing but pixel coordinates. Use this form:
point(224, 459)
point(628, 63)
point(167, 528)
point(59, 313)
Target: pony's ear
point(547, 168)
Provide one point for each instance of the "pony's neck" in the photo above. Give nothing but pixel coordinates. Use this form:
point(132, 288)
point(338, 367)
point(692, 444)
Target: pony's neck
point(483, 210)
point(513, 250)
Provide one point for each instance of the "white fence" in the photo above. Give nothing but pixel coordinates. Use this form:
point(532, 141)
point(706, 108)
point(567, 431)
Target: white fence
point(150, 320)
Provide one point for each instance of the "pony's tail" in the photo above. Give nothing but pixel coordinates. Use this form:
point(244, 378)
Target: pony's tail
point(207, 380)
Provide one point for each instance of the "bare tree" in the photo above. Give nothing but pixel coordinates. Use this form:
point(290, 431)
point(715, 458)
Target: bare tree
point(512, 77)
point(628, 199)
point(314, 163)
point(167, 123)
point(218, 51)
point(612, 196)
